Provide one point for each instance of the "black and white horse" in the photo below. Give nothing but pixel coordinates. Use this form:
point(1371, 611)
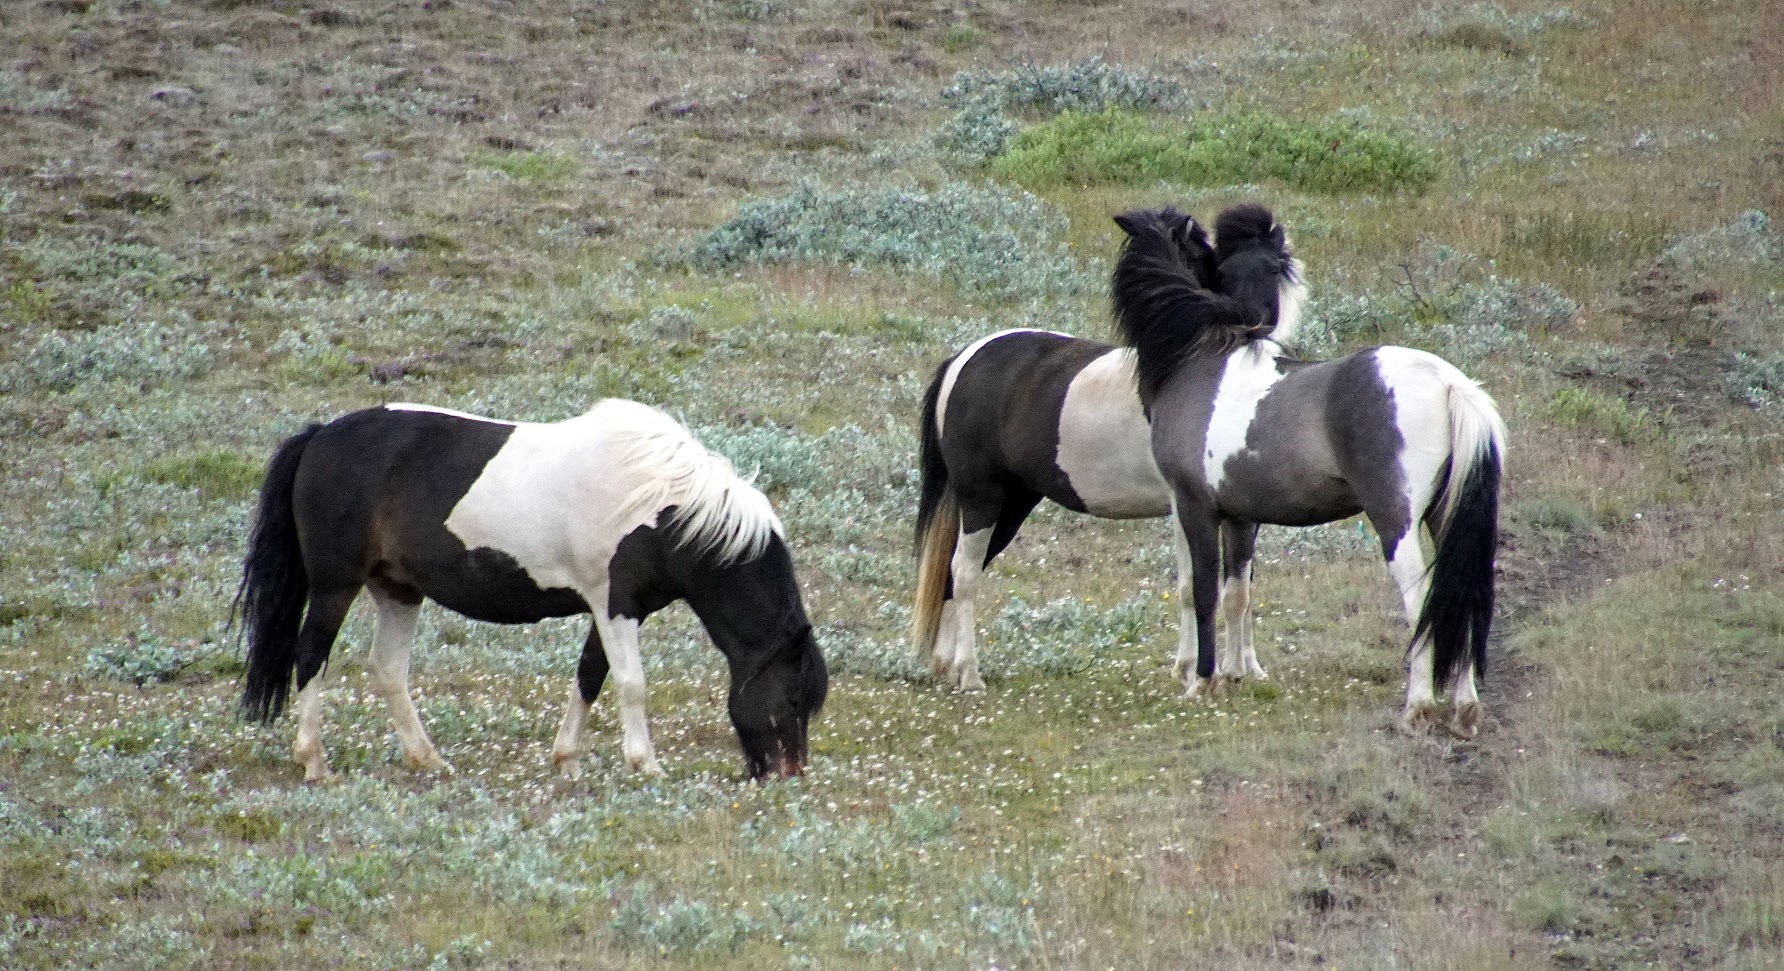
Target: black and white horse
point(1023, 415)
point(616, 512)
point(1245, 435)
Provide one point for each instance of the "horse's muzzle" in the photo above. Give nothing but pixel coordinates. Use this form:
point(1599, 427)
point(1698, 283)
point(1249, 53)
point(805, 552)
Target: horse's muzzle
point(780, 765)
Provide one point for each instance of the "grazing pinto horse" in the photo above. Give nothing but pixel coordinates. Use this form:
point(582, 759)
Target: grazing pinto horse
point(616, 512)
point(1020, 416)
point(1245, 435)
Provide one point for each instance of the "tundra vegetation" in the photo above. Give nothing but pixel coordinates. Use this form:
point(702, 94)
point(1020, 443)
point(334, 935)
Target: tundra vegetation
point(222, 220)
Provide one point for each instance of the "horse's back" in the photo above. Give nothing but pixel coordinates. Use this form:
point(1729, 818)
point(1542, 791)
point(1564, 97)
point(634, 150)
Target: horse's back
point(1058, 413)
point(1299, 443)
point(469, 510)
point(365, 465)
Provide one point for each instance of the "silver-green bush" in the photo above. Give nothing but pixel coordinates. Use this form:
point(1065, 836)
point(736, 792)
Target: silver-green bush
point(982, 240)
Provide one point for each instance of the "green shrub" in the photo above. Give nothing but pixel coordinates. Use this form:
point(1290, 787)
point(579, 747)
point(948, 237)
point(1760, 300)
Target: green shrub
point(215, 474)
point(1557, 515)
point(978, 131)
point(980, 239)
point(1549, 906)
point(126, 267)
point(779, 459)
point(680, 926)
point(1488, 27)
point(1756, 380)
point(962, 37)
point(1614, 417)
point(148, 354)
point(1111, 146)
point(146, 658)
point(982, 125)
point(1449, 301)
point(1122, 147)
point(526, 166)
point(1066, 636)
point(1090, 85)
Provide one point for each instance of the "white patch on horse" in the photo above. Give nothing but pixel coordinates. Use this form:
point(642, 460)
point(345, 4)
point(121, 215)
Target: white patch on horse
point(408, 406)
point(953, 373)
point(560, 497)
point(1432, 397)
point(1249, 374)
point(1105, 443)
point(1419, 384)
point(1291, 296)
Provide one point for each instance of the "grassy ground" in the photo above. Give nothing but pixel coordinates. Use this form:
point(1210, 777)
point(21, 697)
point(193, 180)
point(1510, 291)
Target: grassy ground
point(772, 217)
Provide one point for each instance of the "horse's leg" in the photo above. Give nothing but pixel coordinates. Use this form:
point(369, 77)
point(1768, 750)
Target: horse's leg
point(1465, 710)
point(591, 673)
point(1238, 542)
point(1201, 534)
point(1406, 562)
point(391, 641)
point(619, 639)
point(1017, 504)
point(322, 623)
point(969, 569)
point(947, 632)
point(1184, 664)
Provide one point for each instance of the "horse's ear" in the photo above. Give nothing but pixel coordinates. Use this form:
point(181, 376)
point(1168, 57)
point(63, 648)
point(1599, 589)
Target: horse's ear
point(1191, 235)
point(802, 635)
point(1129, 222)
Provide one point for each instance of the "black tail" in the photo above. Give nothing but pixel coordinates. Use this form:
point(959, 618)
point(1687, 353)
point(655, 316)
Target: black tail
point(1162, 310)
point(1458, 610)
point(274, 587)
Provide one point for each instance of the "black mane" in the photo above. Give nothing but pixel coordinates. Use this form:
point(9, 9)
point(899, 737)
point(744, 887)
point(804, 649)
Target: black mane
point(1163, 307)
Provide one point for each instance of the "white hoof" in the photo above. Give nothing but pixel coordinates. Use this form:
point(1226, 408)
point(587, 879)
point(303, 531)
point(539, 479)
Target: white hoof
point(567, 765)
point(646, 765)
point(1465, 722)
point(428, 761)
point(1419, 719)
point(314, 762)
point(966, 678)
point(1195, 688)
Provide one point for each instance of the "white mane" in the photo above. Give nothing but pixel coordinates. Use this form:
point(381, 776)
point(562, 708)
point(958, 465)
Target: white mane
point(1291, 295)
point(722, 513)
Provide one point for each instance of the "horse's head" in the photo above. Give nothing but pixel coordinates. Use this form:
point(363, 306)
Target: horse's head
point(1257, 269)
point(1182, 235)
point(772, 707)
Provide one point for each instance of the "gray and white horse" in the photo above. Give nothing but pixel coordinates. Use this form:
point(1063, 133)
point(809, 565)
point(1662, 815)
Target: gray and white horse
point(1023, 415)
point(1244, 434)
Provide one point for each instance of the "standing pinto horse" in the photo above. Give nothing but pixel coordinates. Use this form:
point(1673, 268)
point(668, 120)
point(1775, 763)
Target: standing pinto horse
point(1245, 435)
point(1024, 415)
point(616, 512)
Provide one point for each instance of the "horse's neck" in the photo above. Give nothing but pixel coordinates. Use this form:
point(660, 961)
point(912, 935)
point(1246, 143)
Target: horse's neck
point(750, 605)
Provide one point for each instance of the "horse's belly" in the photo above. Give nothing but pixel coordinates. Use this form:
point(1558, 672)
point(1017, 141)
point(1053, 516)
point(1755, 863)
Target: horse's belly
point(1261, 494)
point(490, 585)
